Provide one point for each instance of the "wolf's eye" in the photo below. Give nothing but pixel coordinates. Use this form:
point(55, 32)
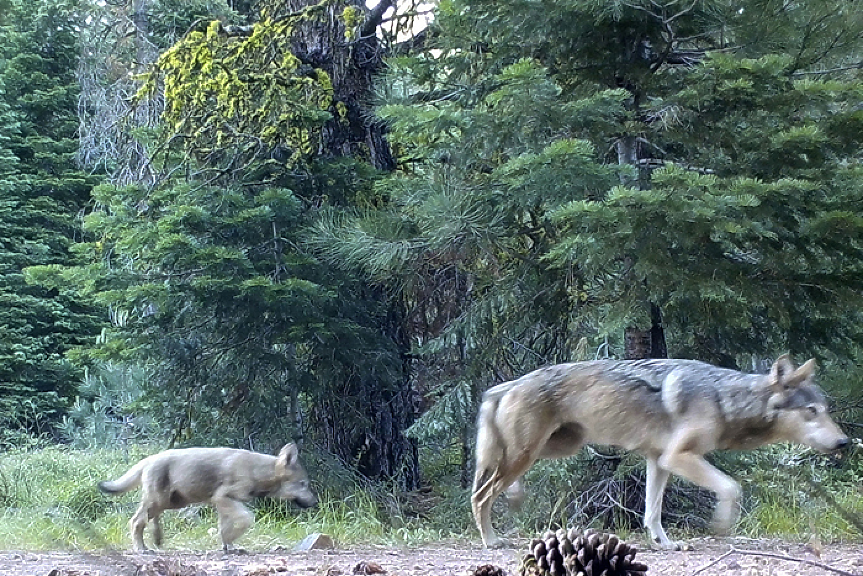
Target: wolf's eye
point(813, 410)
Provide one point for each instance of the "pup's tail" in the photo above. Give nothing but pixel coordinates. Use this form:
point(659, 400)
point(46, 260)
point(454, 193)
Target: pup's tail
point(128, 481)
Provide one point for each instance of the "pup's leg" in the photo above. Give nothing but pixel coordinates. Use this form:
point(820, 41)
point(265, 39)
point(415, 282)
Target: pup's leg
point(157, 531)
point(137, 525)
point(657, 478)
point(234, 520)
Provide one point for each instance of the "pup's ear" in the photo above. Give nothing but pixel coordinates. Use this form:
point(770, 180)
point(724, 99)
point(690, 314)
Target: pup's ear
point(288, 455)
point(780, 374)
point(807, 370)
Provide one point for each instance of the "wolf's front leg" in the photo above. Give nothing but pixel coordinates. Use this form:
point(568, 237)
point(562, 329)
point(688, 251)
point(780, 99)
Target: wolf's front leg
point(234, 520)
point(657, 478)
point(727, 506)
point(697, 470)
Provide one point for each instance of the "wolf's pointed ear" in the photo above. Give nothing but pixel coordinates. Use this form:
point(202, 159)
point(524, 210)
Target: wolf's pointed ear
point(806, 371)
point(288, 455)
point(780, 374)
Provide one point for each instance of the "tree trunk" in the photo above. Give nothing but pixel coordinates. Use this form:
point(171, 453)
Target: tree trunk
point(387, 454)
point(640, 343)
point(658, 348)
point(465, 477)
point(380, 451)
point(352, 66)
point(297, 418)
point(636, 343)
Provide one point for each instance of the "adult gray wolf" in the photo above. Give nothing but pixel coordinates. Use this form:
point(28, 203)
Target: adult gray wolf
point(673, 412)
point(222, 477)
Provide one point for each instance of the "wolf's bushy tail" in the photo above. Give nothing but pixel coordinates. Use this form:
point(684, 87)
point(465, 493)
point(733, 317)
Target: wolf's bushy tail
point(490, 448)
point(128, 481)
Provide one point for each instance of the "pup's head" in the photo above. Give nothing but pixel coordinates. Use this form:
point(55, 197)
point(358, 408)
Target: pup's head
point(295, 482)
point(800, 408)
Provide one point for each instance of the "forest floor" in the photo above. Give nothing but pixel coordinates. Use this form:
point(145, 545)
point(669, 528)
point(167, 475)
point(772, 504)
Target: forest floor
point(707, 556)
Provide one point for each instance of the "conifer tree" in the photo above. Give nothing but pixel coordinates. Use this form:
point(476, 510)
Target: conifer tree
point(576, 172)
point(43, 194)
point(250, 339)
point(750, 96)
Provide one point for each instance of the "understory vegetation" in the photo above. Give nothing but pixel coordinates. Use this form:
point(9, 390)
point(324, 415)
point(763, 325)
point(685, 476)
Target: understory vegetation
point(250, 222)
point(49, 501)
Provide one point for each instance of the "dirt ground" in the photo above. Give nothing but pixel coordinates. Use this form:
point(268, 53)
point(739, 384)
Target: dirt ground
point(706, 557)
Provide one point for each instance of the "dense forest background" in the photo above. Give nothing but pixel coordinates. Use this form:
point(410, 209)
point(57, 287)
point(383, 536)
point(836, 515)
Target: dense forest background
point(242, 222)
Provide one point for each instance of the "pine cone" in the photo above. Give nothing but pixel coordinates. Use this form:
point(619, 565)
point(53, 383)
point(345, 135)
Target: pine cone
point(571, 553)
point(488, 570)
point(548, 554)
point(599, 554)
point(528, 566)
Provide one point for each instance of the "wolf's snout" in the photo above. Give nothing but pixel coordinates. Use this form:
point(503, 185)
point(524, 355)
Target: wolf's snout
point(841, 443)
point(306, 502)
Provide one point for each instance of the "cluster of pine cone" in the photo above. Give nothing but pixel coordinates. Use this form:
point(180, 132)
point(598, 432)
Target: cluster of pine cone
point(570, 553)
point(488, 570)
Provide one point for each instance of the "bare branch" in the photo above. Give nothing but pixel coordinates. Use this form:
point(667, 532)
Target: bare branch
point(773, 555)
point(376, 16)
point(857, 66)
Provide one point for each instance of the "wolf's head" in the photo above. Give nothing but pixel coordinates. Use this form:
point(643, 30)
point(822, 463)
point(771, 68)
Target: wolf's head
point(799, 407)
point(294, 480)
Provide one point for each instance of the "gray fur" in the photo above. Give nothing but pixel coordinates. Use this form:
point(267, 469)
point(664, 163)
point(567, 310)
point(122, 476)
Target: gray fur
point(222, 477)
point(671, 411)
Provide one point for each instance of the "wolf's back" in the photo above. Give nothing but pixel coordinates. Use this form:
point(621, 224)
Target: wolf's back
point(490, 401)
point(128, 481)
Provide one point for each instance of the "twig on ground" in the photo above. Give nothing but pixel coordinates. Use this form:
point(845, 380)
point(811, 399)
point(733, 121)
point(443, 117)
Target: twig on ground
point(772, 555)
point(714, 562)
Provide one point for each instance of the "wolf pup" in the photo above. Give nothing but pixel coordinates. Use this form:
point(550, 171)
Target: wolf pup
point(673, 412)
point(223, 477)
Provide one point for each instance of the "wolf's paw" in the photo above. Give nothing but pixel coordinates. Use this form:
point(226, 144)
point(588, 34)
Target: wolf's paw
point(673, 546)
point(496, 544)
point(721, 525)
point(515, 495)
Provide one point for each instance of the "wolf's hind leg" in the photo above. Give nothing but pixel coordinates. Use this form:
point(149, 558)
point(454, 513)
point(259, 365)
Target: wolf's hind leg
point(486, 492)
point(137, 525)
point(481, 501)
point(157, 531)
point(515, 495)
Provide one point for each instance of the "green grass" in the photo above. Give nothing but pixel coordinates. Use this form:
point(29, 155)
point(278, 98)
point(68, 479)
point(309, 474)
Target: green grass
point(49, 501)
point(783, 504)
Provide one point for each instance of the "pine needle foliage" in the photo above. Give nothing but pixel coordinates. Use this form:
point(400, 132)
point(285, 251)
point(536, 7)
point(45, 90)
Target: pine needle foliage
point(569, 170)
point(754, 252)
point(460, 230)
point(42, 192)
